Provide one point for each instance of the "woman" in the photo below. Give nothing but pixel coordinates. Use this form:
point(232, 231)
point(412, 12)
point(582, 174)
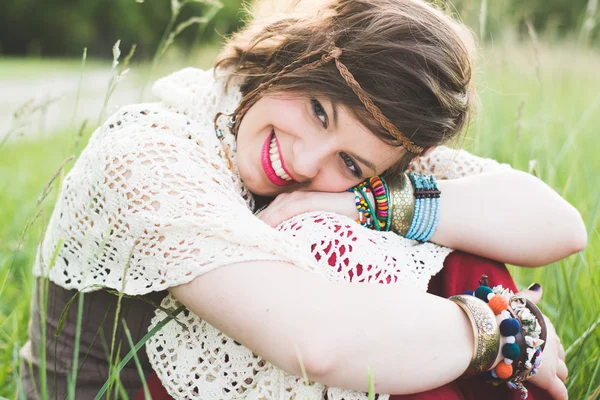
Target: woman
point(321, 99)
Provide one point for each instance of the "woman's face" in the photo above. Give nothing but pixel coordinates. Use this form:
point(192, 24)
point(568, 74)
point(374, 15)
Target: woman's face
point(288, 142)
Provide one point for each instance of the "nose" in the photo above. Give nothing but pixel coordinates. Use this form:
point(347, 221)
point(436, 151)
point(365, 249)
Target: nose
point(310, 157)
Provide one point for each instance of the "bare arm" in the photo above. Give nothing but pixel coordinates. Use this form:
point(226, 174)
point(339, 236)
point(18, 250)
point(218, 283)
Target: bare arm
point(506, 215)
point(494, 211)
point(509, 216)
point(339, 329)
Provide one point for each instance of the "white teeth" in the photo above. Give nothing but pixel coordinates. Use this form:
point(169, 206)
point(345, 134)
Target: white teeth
point(276, 162)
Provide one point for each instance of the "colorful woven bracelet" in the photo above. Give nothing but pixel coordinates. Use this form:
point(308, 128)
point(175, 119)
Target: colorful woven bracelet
point(364, 188)
point(364, 214)
point(381, 194)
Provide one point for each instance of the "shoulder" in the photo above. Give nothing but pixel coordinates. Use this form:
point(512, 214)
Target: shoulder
point(197, 92)
point(449, 163)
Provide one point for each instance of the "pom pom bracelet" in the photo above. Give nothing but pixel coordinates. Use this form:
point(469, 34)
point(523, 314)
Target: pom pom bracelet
point(523, 326)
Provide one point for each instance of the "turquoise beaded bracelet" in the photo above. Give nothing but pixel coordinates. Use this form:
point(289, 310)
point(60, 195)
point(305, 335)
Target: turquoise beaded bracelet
point(427, 207)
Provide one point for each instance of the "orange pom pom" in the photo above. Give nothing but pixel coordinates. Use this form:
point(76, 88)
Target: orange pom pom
point(498, 303)
point(503, 370)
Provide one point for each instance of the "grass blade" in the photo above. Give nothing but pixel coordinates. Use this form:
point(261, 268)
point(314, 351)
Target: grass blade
point(135, 349)
point(138, 364)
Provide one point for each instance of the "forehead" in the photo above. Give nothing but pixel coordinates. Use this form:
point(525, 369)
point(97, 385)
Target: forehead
point(363, 142)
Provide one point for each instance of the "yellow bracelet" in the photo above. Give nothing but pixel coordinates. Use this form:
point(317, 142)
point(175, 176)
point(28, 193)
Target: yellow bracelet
point(402, 204)
point(485, 330)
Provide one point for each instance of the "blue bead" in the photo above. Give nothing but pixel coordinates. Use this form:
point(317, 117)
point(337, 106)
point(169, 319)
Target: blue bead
point(482, 292)
point(511, 350)
point(469, 292)
point(510, 327)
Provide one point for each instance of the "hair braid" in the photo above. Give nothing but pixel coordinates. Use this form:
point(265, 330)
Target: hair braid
point(253, 96)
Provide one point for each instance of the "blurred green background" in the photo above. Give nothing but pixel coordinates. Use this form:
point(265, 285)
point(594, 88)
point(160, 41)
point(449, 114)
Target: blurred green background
point(538, 78)
point(51, 28)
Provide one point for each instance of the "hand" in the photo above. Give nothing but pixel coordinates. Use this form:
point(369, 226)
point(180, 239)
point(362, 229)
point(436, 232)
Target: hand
point(553, 372)
point(288, 205)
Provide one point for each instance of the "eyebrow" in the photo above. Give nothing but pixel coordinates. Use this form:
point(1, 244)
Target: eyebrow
point(369, 164)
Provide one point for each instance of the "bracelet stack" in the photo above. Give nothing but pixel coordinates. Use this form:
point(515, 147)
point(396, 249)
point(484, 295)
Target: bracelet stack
point(485, 331)
point(382, 199)
point(408, 206)
point(427, 207)
point(366, 211)
point(522, 325)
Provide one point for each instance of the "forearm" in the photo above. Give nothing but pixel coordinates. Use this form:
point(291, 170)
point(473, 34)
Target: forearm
point(509, 216)
point(339, 329)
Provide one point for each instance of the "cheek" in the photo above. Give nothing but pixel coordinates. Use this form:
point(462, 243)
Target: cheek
point(332, 180)
point(287, 115)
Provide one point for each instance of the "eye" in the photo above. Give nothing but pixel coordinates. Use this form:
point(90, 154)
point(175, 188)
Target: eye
point(351, 165)
point(319, 112)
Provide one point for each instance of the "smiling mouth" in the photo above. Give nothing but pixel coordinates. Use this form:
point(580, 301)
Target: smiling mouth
point(276, 161)
point(273, 164)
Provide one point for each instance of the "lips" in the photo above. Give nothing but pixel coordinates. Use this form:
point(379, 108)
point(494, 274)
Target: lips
point(273, 163)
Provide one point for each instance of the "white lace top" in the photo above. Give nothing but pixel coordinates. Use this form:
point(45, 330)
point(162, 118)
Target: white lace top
point(152, 202)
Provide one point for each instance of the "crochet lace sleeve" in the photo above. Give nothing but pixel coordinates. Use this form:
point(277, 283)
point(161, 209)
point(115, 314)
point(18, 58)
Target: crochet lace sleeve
point(149, 206)
point(447, 163)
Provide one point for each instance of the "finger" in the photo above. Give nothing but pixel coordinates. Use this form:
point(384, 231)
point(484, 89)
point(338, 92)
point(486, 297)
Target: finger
point(534, 293)
point(561, 370)
point(557, 390)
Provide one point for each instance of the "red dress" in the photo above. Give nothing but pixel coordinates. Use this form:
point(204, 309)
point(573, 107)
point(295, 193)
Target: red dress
point(461, 272)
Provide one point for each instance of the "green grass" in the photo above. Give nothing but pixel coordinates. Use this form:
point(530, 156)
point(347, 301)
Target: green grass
point(546, 110)
point(23, 68)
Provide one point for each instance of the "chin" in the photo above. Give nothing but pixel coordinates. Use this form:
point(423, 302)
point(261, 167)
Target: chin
point(256, 184)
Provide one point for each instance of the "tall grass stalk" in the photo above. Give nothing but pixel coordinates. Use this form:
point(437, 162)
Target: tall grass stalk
point(113, 375)
point(118, 74)
point(138, 364)
point(75, 366)
point(79, 84)
point(136, 348)
point(302, 367)
point(171, 32)
point(536, 52)
point(25, 115)
point(43, 287)
point(370, 385)
point(482, 19)
point(589, 22)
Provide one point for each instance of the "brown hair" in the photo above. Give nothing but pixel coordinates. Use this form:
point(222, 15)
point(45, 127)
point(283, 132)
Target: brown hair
point(411, 60)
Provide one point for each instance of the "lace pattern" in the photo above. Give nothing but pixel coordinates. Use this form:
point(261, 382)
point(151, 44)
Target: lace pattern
point(224, 369)
point(156, 200)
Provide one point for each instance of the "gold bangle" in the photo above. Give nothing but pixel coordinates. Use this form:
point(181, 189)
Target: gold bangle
point(485, 330)
point(402, 205)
